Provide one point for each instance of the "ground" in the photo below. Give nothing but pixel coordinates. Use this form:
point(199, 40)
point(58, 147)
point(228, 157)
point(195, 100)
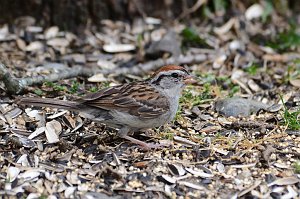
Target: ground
point(53, 153)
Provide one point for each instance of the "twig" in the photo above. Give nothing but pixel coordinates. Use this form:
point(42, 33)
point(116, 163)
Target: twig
point(251, 124)
point(15, 85)
point(63, 74)
point(295, 154)
point(293, 132)
point(252, 187)
point(12, 84)
point(141, 69)
point(139, 9)
point(194, 8)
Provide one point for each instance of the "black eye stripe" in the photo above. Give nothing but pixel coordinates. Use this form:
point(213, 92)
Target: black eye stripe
point(159, 79)
point(175, 75)
point(185, 71)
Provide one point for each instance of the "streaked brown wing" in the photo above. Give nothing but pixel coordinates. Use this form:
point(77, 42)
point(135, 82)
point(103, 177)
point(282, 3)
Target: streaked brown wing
point(131, 99)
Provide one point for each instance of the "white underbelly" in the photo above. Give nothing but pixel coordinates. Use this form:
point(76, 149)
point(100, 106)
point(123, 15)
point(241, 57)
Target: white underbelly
point(137, 123)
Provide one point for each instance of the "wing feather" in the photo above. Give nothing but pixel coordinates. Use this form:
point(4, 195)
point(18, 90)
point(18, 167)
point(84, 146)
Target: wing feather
point(137, 99)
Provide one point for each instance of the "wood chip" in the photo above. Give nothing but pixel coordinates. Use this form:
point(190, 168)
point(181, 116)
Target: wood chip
point(37, 132)
point(183, 140)
point(52, 131)
point(12, 174)
point(199, 173)
point(117, 48)
point(57, 114)
point(285, 181)
point(191, 185)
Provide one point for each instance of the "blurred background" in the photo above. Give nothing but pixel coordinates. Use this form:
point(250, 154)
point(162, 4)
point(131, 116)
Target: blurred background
point(73, 15)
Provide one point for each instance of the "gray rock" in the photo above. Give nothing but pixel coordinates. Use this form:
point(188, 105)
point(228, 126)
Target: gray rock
point(169, 43)
point(237, 106)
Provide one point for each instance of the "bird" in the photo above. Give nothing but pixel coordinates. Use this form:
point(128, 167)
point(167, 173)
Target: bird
point(129, 107)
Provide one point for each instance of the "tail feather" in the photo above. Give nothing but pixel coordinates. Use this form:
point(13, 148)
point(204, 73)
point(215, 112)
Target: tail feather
point(48, 102)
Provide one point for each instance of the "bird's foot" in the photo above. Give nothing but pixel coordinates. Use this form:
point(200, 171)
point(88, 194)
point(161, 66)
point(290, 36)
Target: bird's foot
point(145, 146)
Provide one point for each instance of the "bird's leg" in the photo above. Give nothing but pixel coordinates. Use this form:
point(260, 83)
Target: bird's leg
point(123, 133)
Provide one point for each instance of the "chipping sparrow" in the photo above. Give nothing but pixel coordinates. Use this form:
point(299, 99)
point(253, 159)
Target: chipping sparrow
point(132, 106)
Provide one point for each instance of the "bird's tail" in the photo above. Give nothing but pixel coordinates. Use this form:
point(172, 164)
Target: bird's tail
point(48, 102)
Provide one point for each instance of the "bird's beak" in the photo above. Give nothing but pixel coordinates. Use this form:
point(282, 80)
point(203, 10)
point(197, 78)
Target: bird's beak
point(190, 79)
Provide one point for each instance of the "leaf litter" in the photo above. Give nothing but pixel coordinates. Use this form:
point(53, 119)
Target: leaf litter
point(250, 152)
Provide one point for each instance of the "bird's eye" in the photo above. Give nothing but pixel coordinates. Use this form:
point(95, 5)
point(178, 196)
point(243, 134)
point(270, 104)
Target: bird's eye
point(175, 75)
